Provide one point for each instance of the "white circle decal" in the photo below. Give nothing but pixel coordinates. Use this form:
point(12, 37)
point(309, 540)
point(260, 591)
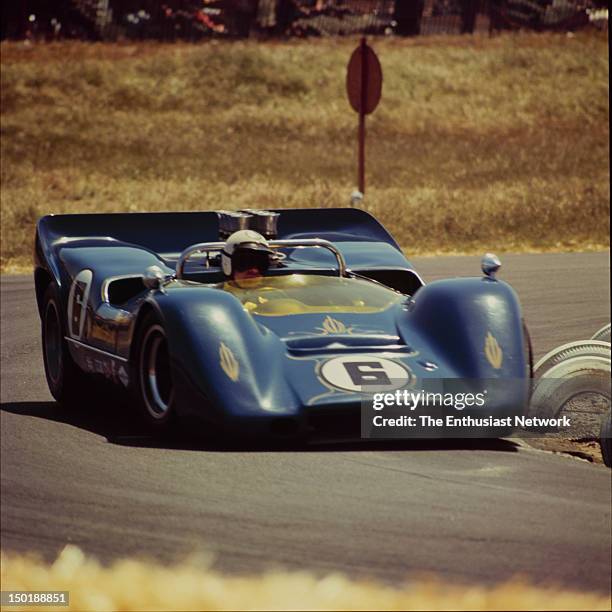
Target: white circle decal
point(362, 373)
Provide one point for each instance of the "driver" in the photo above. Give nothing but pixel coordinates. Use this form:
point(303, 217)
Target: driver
point(245, 259)
point(245, 256)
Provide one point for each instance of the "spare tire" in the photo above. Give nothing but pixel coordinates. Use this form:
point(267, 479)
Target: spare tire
point(581, 348)
point(602, 334)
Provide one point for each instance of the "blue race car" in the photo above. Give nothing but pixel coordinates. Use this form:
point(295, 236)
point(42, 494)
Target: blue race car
point(260, 322)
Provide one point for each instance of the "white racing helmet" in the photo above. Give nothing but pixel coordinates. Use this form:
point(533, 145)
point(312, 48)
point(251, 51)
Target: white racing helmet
point(245, 249)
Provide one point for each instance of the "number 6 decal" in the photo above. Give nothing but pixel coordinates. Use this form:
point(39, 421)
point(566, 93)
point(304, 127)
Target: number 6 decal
point(353, 373)
point(77, 303)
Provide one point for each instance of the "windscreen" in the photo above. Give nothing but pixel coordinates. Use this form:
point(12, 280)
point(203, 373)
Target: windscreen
point(309, 293)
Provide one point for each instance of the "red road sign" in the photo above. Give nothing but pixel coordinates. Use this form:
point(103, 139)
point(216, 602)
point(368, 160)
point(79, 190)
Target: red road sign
point(364, 79)
point(364, 87)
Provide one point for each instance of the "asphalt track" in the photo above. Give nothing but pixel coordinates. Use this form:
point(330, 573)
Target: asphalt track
point(468, 513)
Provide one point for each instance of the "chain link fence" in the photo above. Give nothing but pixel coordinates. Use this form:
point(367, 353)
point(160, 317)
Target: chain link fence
point(193, 20)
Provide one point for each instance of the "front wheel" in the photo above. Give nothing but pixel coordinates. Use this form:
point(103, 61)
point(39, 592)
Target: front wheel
point(153, 376)
point(64, 378)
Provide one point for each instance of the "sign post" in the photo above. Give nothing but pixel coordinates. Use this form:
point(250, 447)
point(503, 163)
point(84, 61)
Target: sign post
point(364, 88)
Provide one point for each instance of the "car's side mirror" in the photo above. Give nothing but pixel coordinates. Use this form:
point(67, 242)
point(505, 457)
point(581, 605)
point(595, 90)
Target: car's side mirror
point(490, 265)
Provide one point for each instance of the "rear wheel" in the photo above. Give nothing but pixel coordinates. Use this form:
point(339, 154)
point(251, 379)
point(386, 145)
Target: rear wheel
point(153, 377)
point(64, 378)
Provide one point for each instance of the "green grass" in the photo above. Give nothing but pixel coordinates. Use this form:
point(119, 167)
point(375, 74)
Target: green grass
point(478, 143)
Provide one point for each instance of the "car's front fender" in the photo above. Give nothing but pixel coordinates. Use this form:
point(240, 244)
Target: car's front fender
point(474, 323)
point(225, 363)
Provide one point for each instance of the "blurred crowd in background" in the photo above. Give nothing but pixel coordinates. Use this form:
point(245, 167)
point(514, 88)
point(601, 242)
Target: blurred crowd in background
point(193, 20)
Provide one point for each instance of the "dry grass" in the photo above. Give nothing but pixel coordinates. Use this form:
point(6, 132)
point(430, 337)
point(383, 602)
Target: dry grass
point(138, 585)
point(497, 143)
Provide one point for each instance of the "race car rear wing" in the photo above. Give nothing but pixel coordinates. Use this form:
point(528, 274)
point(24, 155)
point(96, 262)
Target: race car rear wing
point(364, 244)
point(169, 233)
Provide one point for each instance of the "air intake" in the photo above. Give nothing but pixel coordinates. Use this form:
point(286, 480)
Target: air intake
point(263, 221)
point(232, 221)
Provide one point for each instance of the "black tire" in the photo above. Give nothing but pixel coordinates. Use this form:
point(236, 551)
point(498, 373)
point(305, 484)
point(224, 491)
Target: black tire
point(529, 359)
point(605, 439)
point(528, 350)
point(64, 377)
point(152, 376)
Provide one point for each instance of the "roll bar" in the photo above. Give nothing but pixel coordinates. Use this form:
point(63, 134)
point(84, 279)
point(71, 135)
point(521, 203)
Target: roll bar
point(203, 247)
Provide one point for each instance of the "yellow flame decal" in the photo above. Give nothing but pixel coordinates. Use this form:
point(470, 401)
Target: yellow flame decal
point(228, 362)
point(333, 326)
point(493, 351)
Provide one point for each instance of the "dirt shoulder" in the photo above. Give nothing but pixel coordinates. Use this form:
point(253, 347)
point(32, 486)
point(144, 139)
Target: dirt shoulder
point(589, 450)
